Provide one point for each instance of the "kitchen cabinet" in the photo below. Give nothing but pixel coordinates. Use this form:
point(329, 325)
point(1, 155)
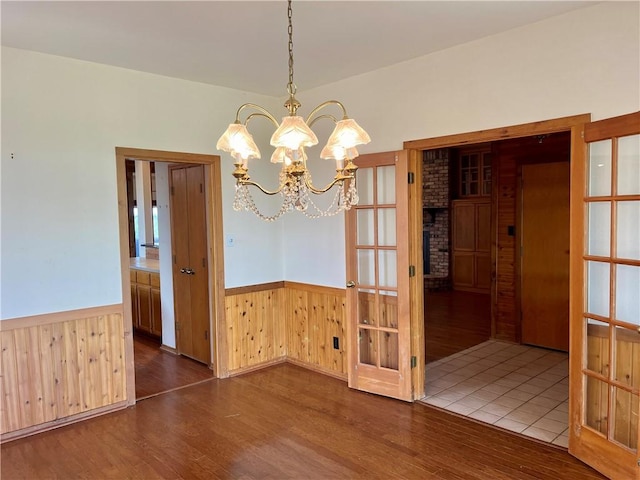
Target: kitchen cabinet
point(145, 302)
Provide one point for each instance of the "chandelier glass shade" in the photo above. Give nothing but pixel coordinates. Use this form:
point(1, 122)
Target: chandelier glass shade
point(291, 137)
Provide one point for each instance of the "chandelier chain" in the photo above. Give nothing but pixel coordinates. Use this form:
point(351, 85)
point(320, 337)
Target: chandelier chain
point(290, 85)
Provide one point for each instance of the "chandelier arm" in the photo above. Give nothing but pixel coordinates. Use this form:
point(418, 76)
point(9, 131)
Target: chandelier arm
point(261, 188)
point(331, 117)
point(263, 112)
point(326, 104)
point(318, 191)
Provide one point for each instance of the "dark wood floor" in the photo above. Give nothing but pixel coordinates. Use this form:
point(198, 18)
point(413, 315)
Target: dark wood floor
point(455, 321)
point(278, 423)
point(158, 371)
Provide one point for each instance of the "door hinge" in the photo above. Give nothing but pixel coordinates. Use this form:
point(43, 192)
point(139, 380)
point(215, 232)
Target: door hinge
point(206, 334)
point(412, 270)
point(414, 362)
point(412, 178)
point(174, 259)
point(177, 325)
point(173, 191)
point(204, 263)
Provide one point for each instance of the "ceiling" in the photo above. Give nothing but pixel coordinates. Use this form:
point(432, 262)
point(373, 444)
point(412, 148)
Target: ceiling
point(243, 44)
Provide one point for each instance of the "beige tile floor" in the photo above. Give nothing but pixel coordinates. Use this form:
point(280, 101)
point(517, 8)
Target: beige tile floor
point(516, 387)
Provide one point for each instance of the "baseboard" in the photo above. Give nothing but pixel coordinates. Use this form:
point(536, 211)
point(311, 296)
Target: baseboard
point(171, 350)
point(318, 369)
point(43, 427)
point(258, 366)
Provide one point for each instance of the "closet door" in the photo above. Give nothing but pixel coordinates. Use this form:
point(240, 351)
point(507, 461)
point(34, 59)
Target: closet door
point(190, 265)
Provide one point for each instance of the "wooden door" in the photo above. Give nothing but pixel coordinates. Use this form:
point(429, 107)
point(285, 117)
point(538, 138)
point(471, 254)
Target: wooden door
point(544, 255)
point(471, 245)
point(378, 308)
point(190, 265)
point(605, 297)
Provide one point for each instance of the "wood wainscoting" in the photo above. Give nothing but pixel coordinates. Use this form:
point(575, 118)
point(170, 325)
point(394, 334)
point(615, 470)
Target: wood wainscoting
point(59, 368)
point(286, 321)
point(315, 317)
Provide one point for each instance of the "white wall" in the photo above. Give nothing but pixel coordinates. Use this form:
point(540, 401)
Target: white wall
point(586, 61)
point(62, 119)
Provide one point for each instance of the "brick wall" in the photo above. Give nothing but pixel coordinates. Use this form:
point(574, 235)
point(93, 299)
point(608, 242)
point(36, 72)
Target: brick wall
point(436, 197)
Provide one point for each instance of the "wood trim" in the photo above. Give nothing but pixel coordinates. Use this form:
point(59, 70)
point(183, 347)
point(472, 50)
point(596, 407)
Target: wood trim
point(616, 127)
point(215, 245)
point(416, 283)
point(307, 287)
point(168, 349)
point(502, 133)
point(317, 368)
point(259, 287)
point(165, 156)
point(56, 317)
point(43, 427)
point(258, 366)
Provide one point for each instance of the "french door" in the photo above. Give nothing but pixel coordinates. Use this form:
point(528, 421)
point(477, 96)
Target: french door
point(378, 272)
point(605, 297)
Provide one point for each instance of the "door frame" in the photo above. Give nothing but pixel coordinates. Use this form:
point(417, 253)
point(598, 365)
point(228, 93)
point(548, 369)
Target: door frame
point(213, 182)
point(572, 124)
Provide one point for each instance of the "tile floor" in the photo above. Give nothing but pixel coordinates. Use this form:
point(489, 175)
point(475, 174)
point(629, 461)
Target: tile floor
point(516, 387)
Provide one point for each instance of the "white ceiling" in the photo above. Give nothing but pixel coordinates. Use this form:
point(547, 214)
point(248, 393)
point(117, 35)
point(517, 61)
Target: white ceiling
point(243, 44)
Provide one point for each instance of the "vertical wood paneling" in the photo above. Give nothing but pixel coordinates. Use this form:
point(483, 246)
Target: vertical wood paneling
point(52, 371)
point(293, 321)
point(315, 315)
point(12, 413)
point(48, 377)
point(255, 328)
point(505, 308)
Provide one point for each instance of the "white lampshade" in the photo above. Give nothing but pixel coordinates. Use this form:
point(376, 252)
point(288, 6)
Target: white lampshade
point(348, 134)
point(239, 142)
point(336, 152)
point(288, 156)
point(293, 133)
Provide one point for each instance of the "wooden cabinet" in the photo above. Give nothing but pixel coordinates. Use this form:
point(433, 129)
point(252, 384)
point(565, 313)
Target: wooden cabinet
point(145, 302)
point(471, 245)
point(474, 172)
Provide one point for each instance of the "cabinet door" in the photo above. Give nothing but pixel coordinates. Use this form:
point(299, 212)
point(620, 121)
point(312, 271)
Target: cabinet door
point(134, 306)
point(156, 312)
point(144, 307)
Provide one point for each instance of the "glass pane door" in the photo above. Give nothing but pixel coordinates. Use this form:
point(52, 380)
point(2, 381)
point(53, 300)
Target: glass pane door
point(378, 267)
point(609, 401)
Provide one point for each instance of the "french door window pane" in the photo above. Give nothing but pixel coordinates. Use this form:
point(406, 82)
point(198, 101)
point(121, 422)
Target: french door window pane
point(629, 165)
point(598, 288)
point(600, 168)
point(599, 229)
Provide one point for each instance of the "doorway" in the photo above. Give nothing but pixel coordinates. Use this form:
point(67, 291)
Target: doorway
point(214, 307)
point(476, 361)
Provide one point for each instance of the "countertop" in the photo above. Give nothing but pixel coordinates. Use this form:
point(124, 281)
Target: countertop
point(146, 264)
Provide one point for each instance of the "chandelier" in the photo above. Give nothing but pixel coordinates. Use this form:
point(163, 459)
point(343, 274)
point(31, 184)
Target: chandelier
point(290, 139)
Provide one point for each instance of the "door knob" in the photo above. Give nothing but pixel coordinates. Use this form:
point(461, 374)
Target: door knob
point(351, 284)
point(183, 270)
point(190, 272)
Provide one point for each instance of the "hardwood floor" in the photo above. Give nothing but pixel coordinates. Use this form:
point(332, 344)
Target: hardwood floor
point(158, 371)
point(283, 422)
point(455, 321)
